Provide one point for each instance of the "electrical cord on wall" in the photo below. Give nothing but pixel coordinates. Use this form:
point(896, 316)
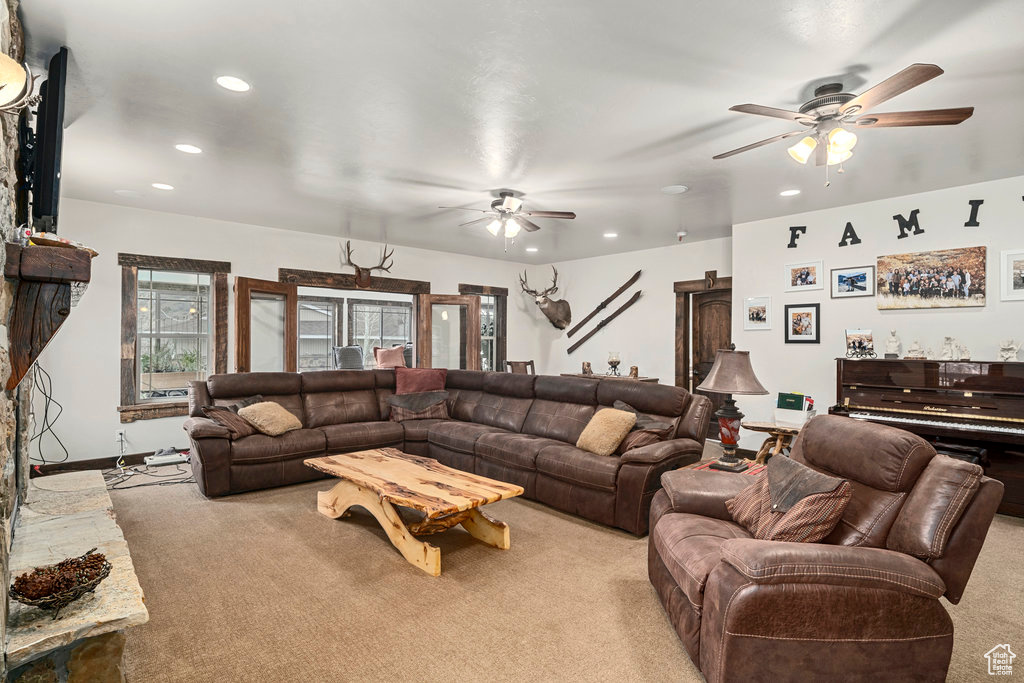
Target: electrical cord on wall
point(44, 383)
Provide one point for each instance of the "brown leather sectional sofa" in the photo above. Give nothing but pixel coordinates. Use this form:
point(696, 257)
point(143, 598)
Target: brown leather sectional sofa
point(861, 605)
point(515, 428)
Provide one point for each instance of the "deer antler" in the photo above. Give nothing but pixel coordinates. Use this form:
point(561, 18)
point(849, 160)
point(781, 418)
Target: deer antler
point(384, 265)
point(526, 285)
point(346, 256)
point(554, 283)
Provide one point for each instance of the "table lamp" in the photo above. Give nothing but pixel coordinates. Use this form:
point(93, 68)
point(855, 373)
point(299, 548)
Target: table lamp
point(731, 374)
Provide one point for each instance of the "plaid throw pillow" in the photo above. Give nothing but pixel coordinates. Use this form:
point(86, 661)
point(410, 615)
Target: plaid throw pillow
point(425, 405)
point(791, 502)
point(638, 438)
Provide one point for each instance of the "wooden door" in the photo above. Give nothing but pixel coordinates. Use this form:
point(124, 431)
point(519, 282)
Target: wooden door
point(712, 330)
point(453, 339)
point(266, 325)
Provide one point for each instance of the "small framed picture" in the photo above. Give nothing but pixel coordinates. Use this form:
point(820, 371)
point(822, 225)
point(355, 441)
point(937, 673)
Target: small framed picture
point(803, 276)
point(758, 313)
point(851, 282)
point(803, 323)
point(1012, 275)
point(860, 344)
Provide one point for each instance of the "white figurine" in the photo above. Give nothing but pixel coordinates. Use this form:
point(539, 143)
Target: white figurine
point(929, 354)
point(892, 344)
point(948, 349)
point(961, 352)
point(1008, 350)
point(915, 350)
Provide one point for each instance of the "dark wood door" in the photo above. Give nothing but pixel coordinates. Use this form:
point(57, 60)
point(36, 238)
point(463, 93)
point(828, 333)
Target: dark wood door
point(712, 330)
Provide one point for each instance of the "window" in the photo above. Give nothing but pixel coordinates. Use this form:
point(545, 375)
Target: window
point(379, 323)
point(318, 331)
point(493, 323)
point(173, 330)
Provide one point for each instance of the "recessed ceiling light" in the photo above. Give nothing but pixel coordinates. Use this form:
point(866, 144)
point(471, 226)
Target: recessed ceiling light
point(532, 250)
point(163, 186)
point(128, 193)
point(188, 149)
point(233, 83)
point(611, 234)
point(789, 193)
point(674, 189)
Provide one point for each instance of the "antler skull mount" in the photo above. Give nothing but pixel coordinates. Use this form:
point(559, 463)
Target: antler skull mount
point(556, 310)
point(363, 273)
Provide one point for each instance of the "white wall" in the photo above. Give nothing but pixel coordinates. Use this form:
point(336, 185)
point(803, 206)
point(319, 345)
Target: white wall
point(644, 334)
point(759, 253)
point(83, 358)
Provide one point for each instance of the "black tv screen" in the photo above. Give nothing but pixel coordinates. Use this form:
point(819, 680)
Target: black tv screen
point(49, 140)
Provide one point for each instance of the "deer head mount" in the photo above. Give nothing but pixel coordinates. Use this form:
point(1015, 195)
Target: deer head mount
point(557, 310)
point(363, 273)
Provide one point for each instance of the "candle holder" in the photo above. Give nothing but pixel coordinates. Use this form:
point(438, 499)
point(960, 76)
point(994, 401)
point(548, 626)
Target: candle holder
point(613, 363)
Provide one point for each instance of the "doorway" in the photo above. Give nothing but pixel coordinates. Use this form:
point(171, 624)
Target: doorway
point(703, 325)
point(449, 331)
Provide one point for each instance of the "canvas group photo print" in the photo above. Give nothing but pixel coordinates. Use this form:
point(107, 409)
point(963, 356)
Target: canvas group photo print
point(947, 278)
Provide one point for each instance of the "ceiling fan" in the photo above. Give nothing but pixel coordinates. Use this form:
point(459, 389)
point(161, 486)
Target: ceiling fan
point(827, 116)
point(507, 213)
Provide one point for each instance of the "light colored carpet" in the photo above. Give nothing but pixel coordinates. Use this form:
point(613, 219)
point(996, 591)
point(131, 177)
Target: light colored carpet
point(261, 587)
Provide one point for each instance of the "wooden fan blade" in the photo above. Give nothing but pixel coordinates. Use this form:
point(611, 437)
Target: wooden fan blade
point(911, 77)
point(475, 221)
point(927, 117)
point(528, 226)
point(759, 143)
point(462, 208)
point(549, 214)
point(761, 110)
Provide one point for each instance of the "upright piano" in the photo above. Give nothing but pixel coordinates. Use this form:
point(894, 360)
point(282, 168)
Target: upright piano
point(971, 406)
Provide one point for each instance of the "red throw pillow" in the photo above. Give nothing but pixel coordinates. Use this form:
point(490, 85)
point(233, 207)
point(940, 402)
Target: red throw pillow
point(418, 380)
point(389, 358)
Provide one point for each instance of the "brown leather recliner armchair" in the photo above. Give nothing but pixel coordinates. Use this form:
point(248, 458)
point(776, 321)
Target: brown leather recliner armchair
point(863, 603)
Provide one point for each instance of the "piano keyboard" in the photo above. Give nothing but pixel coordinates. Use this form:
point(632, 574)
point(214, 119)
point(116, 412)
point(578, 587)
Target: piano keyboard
point(972, 427)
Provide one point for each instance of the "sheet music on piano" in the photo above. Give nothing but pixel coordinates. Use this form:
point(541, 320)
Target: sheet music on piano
point(973, 403)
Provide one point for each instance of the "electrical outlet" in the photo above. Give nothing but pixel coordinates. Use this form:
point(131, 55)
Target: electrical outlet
point(119, 436)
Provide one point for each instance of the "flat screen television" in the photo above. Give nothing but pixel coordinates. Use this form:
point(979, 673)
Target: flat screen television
point(41, 149)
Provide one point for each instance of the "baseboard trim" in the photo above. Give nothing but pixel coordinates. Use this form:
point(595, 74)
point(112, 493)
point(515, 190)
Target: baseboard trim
point(130, 460)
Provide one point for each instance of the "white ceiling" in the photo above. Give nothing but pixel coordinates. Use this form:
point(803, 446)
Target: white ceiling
point(366, 115)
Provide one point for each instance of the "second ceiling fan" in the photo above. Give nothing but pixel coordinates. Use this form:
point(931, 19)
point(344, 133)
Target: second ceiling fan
point(506, 213)
point(827, 115)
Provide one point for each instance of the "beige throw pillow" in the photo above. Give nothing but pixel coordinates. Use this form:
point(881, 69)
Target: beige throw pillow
point(605, 431)
point(270, 418)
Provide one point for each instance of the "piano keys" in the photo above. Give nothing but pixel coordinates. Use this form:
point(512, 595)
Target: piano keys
point(978, 404)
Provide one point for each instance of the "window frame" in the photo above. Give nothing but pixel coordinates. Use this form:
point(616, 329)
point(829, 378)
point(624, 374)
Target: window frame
point(500, 295)
point(131, 408)
point(351, 302)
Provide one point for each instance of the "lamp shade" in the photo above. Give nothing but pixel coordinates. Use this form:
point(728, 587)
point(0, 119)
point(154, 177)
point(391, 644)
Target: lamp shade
point(732, 374)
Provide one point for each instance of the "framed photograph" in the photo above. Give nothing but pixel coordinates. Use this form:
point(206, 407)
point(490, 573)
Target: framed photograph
point(1012, 275)
point(757, 313)
point(803, 323)
point(949, 278)
point(860, 344)
point(850, 282)
point(803, 276)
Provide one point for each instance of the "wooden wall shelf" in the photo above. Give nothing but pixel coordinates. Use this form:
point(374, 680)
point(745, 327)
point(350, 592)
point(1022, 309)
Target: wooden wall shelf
point(42, 298)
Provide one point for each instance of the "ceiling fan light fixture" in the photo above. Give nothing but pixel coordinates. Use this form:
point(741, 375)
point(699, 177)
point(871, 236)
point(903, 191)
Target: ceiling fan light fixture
point(802, 150)
point(494, 227)
point(838, 156)
point(512, 228)
point(511, 204)
point(841, 140)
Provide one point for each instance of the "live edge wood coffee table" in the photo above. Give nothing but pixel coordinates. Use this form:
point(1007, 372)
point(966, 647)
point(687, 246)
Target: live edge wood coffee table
point(381, 478)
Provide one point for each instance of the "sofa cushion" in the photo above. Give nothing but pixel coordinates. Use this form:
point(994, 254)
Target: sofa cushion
point(424, 405)
point(300, 443)
point(606, 430)
point(417, 430)
point(359, 436)
point(509, 384)
point(242, 384)
point(270, 418)
point(653, 399)
point(338, 407)
point(691, 546)
point(320, 381)
point(518, 450)
point(505, 412)
point(419, 380)
point(576, 466)
point(557, 420)
point(459, 436)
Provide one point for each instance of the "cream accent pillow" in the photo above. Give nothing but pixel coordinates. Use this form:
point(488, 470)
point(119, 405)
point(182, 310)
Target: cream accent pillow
point(270, 418)
point(606, 430)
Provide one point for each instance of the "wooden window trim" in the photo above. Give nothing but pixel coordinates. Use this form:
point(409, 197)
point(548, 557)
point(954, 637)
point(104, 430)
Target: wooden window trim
point(317, 278)
point(129, 409)
point(710, 282)
point(244, 287)
point(500, 295)
point(424, 325)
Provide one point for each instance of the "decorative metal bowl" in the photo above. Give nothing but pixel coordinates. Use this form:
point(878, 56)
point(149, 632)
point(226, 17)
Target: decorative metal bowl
point(58, 601)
